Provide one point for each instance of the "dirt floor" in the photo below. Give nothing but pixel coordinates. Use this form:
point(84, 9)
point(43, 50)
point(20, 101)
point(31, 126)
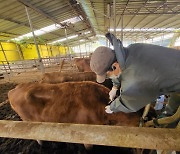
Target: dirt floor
point(19, 146)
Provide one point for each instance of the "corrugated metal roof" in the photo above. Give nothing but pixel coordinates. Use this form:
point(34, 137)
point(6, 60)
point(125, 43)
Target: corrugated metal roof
point(14, 19)
point(137, 14)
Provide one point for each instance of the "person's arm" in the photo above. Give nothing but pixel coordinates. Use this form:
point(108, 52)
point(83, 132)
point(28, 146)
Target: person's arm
point(117, 106)
point(118, 48)
point(116, 86)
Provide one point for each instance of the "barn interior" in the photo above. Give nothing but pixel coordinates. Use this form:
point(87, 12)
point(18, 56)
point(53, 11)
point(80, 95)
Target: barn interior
point(45, 36)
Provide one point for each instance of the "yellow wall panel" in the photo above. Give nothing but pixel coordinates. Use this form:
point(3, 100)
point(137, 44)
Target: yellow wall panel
point(11, 52)
point(55, 51)
point(45, 51)
point(29, 51)
point(63, 50)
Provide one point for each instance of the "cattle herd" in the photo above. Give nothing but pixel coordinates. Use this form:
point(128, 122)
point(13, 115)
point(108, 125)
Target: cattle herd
point(68, 98)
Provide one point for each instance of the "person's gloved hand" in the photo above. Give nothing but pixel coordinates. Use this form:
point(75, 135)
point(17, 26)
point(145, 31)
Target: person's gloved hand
point(108, 110)
point(112, 93)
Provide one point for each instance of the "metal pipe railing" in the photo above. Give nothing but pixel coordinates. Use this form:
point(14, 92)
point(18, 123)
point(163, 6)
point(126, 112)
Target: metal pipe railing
point(166, 120)
point(134, 137)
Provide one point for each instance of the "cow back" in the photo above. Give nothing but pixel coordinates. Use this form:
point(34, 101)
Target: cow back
point(70, 102)
point(60, 77)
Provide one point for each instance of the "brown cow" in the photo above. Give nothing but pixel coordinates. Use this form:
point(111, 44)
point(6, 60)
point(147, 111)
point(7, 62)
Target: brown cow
point(83, 64)
point(59, 77)
point(70, 102)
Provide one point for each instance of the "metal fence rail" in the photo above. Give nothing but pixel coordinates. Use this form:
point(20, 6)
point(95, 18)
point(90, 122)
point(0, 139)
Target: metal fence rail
point(134, 137)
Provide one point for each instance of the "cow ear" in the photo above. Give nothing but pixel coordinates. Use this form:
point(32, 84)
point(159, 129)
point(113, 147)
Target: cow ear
point(41, 97)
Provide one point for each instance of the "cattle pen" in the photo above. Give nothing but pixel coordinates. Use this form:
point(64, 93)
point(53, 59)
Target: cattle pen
point(50, 101)
point(110, 136)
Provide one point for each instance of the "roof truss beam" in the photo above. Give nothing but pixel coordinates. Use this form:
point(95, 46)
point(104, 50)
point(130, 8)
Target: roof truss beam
point(23, 24)
point(136, 13)
point(24, 2)
point(160, 8)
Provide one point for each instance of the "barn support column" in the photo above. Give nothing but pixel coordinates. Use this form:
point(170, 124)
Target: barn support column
point(5, 56)
point(20, 52)
point(89, 48)
point(59, 52)
point(114, 10)
point(135, 137)
point(65, 31)
point(108, 23)
point(37, 48)
point(80, 49)
point(6, 62)
point(86, 47)
point(122, 28)
point(47, 50)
